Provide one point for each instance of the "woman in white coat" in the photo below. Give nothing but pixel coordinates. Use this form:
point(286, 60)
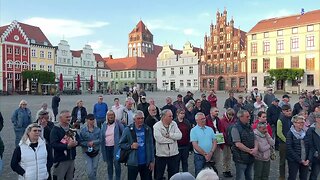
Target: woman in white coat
point(31, 159)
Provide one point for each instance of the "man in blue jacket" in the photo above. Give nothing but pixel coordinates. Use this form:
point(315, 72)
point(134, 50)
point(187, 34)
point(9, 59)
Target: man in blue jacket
point(138, 138)
point(64, 147)
point(100, 111)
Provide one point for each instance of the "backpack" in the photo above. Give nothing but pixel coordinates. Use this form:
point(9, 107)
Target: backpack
point(122, 155)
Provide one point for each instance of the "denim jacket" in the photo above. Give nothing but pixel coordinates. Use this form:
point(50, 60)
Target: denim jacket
point(86, 136)
point(118, 129)
point(21, 118)
point(126, 141)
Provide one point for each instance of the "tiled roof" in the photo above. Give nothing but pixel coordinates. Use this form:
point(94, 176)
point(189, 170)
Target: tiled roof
point(98, 57)
point(132, 63)
point(76, 53)
point(141, 27)
point(32, 32)
point(310, 17)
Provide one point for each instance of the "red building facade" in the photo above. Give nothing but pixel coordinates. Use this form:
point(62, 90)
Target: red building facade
point(223, 66)
point(15, 47)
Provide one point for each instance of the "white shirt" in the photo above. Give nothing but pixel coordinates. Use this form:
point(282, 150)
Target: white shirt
point(118, 111)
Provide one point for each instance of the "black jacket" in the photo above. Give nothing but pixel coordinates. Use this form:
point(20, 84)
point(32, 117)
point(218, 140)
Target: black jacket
point(230, 102)
point(83, 114)
point(56, 135)
point(172, 108)
point(55, 102)
point(296, 108)
point(144, 108)
point(313, 145)
point(205, 106)
point(273, 114)
point(294, 148)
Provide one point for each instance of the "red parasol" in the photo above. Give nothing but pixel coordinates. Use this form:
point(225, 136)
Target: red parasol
point(61, 82)
point(78, 82)
point(91, 82)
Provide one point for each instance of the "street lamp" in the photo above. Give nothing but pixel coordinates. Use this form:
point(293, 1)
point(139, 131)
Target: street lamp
point(299, 80)
point(34, 85)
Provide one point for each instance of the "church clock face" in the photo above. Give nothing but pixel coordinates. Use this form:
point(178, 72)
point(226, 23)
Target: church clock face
point(16, 37)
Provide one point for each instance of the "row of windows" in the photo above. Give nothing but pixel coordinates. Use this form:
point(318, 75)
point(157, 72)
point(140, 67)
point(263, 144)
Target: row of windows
point(103, 74)
point(181, 83)
point(17, 64)
point(222, 68)
point(221, 46)
point(310, 64)
point(294, 30)
point(181, 72)
point(42, 54)
point(294, 45)
point(42, 67)
point(17, 76)
point(131, 74)
point(310, 81)
point(210, 83)
point(69, 71)
point(17, 51)
point(223, 55)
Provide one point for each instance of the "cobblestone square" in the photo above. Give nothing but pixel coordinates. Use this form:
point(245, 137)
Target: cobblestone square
point(9, 103)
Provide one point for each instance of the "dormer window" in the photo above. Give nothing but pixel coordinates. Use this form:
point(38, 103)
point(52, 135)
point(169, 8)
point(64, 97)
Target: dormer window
point(45, 43)
point(33, 41)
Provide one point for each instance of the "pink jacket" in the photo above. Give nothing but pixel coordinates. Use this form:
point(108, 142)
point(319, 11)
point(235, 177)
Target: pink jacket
point(264, 145)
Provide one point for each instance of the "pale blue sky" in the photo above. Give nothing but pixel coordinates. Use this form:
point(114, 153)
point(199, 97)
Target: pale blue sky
point(106, 24)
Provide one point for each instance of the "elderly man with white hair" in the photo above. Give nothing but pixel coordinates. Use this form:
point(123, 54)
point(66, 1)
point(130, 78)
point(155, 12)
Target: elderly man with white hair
point(44, 107)
point(21, 118)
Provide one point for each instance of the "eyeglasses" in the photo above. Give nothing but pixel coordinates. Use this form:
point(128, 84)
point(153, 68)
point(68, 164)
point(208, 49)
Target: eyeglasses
point(36, 130)
point(300, 122)
point(91, 119)
point(229, 114)
point(24, 104)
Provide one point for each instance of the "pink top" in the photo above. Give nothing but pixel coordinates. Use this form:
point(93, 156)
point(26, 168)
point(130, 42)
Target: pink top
point(110, 135)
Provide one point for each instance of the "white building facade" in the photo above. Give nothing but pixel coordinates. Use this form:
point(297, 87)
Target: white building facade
point(71, 63)
point(176, 70)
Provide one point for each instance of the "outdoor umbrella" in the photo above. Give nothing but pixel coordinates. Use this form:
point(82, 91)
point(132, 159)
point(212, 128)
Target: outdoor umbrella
point(91, 83)
point(61, 82)
point(78, 82)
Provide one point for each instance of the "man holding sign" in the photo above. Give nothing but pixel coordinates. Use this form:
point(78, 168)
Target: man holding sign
point(213, 121)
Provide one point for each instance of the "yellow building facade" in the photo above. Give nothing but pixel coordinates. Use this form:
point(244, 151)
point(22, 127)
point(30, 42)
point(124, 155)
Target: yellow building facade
point(42, 57)
point(285, 42)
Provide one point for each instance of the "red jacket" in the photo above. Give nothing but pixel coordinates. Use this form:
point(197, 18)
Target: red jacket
point(212, 100)
point(225, 123)
point(255, 124)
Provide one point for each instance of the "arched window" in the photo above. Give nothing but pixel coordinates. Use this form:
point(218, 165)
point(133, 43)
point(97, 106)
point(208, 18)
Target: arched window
point(17, 65)
point(9, 64)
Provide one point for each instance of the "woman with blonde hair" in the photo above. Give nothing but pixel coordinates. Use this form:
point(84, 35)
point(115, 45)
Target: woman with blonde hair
point(21, 118)
point(32, 157)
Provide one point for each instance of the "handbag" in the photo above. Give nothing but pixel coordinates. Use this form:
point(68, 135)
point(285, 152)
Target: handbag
point(122, 155)
point(273, 155)
point(93, 153)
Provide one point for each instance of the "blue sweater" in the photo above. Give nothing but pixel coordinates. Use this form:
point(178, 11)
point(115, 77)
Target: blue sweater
point(100, 110)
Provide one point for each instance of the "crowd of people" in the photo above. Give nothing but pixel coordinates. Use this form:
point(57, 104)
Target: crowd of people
point(250, 130)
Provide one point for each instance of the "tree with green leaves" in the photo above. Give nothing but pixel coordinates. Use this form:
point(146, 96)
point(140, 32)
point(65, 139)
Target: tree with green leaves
point(43, 77)
point(284, 75)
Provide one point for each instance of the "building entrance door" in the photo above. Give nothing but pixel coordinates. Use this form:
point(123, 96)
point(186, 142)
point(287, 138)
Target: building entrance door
point(222, 84)
point(280, 85)
point(172, 85)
